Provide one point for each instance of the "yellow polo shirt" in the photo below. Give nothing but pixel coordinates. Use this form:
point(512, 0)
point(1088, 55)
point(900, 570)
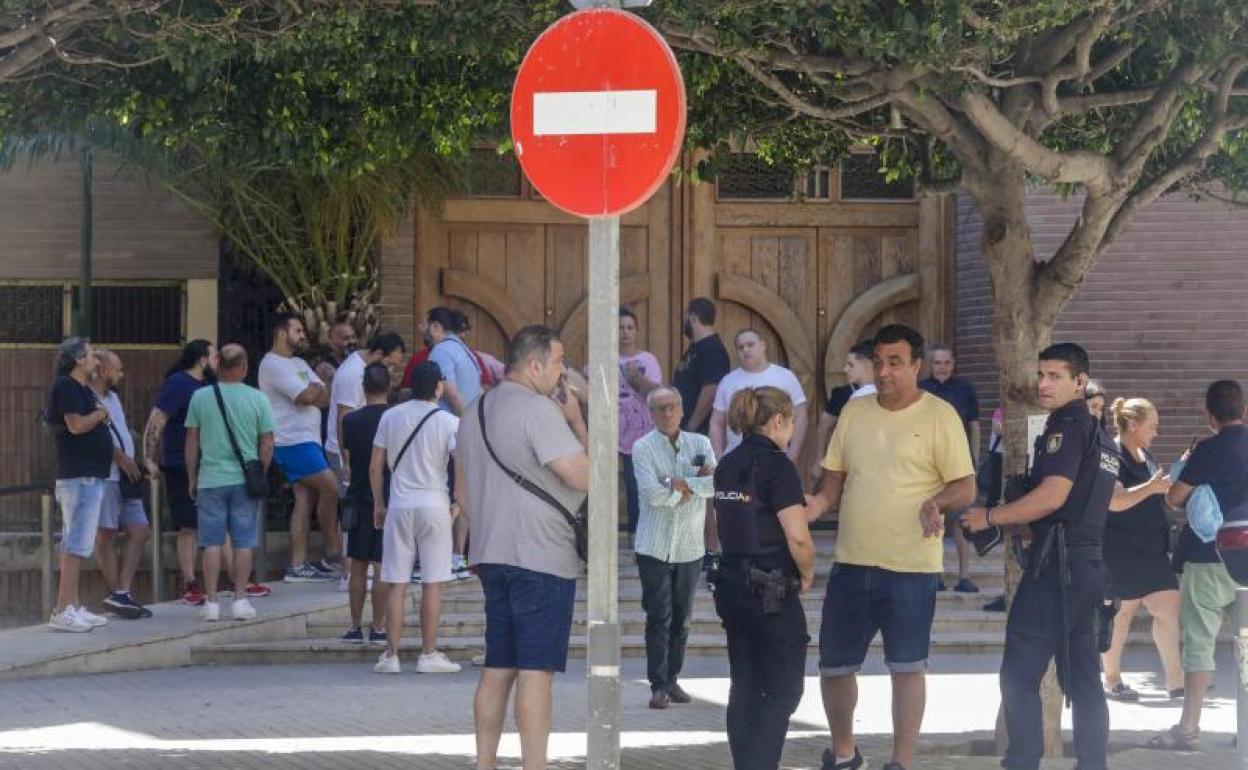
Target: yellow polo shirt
point(893, 462)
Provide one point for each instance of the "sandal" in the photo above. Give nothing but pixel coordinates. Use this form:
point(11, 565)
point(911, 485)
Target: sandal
point(1122, 693)
point(1175, 739)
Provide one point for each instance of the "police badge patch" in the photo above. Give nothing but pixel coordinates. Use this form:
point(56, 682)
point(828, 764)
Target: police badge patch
point(1055, 443)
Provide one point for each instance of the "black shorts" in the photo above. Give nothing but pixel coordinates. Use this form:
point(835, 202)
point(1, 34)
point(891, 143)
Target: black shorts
point(182, 511)
point(364, 540)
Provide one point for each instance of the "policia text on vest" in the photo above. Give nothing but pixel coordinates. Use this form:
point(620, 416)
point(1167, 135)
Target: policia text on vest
point(1057, 609)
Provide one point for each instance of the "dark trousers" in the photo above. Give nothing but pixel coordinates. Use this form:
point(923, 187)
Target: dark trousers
point(667, 592)
point(767, 662)
point(1033, 637)
point(630, 491)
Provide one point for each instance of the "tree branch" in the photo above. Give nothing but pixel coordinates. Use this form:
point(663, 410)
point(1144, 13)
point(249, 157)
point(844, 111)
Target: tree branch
point(797, 103)
point(1076, 105)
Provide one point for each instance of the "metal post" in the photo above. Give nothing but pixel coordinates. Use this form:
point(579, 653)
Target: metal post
point(262, 551)
point(83, 320)
point(156, 515)
point(1241, 665)
point(45, 553)
point(604, 378)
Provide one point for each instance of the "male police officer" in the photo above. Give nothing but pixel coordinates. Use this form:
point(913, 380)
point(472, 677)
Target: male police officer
point(1054, 613)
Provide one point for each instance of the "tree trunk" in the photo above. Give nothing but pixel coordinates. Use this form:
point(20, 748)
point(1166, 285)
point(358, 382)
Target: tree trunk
point(1019, 335)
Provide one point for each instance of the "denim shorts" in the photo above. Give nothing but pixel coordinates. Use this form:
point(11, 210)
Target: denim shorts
point(300, 460)
point(862, 601)
point(117, 512)
point(80, 500)
point(528, 618)
point(227, 508)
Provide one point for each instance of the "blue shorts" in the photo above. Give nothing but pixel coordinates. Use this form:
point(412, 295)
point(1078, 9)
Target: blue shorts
point(80, 500)
point(224, 509)
point(117, 512)
point(528, 618)
point(300, 460)
point(863, 601)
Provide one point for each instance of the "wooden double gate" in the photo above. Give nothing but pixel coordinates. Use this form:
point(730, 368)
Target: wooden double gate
point(812, 278)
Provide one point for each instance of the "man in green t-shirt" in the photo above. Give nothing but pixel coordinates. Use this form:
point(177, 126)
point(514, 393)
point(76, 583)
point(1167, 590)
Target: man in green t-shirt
point(216, 472)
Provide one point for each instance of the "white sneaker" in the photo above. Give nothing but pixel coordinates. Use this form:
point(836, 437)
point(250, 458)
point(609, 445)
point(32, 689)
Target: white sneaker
point(241, 609)
point(478, 660)
point(68, 620)
point(343, 584)
point(436, 663)
point(88, 617)
point(387, 664)
point(211, 611)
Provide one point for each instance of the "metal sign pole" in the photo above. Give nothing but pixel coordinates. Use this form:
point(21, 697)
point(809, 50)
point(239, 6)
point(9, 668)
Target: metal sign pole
point(603, 664)
point(1241, 667)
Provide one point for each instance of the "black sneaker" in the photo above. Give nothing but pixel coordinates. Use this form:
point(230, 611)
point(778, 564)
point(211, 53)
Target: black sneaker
point(830, 763)
point(354, 636)
point(996, 605)
point(376, 637)
point(327, 567)
point(894, 766)
point(121, 605)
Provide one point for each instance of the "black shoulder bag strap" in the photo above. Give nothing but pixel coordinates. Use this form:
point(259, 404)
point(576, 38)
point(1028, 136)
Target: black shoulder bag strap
point(578, 526)
point(229, 431)
point(412, 437)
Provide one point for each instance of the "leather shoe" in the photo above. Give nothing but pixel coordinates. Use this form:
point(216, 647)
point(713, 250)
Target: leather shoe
point(677, 694)
point(659, 700)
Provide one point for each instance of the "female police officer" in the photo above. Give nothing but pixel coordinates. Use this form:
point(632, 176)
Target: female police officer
point(768, 559)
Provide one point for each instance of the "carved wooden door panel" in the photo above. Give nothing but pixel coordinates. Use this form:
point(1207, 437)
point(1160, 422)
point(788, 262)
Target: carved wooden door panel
point(496, 275)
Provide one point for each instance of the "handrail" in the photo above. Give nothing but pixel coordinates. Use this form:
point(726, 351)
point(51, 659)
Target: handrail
point(21, 489)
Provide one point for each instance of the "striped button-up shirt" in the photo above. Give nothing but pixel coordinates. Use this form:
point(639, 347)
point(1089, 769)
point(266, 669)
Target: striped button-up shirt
point(668, 529)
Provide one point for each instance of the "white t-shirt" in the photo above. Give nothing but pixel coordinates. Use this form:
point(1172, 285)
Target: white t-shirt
point(282, 380)
point(347, 390)
point(865, 390)
point(117, 416)
point(774, 375)
point(420, 478)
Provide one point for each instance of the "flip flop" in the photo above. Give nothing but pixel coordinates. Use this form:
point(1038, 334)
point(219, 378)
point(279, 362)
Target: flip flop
point(1174, 739)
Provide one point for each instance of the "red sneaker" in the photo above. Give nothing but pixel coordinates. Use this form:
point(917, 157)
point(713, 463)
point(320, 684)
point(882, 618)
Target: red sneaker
point(257, 591)
point(193, 596)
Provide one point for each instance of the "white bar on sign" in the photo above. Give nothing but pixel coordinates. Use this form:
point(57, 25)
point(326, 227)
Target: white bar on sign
point(568, 113)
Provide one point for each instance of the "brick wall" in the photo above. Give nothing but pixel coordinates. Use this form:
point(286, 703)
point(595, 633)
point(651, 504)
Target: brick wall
point(397, 270)
point(1162, 314)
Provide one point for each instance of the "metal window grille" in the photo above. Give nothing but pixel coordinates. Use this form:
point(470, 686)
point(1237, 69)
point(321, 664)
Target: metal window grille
point(861, 180)
point(33, 315)
point(490, 175)
point(818, 184)
point(748, 177)
point(136, 315)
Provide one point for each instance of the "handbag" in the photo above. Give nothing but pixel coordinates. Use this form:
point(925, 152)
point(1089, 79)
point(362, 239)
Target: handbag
point(579, 521)
point(255, 478)
point(988, 475)
point(130, 490)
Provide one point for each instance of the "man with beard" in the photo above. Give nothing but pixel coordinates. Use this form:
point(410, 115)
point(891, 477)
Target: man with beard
point(297, 395)
point(703, 365)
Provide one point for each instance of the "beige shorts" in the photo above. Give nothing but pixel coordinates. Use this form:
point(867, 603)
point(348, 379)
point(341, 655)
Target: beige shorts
point(408, 531)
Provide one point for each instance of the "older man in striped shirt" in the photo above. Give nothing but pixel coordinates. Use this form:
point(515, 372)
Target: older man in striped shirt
point(674, 471)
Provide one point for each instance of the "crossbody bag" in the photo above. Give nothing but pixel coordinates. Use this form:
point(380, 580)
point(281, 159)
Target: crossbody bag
point(579, 521)
point(350, 514)
point(255, 479)
point(130, 490)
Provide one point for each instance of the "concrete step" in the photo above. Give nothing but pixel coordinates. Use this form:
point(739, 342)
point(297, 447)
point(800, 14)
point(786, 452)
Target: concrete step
point(461, 648)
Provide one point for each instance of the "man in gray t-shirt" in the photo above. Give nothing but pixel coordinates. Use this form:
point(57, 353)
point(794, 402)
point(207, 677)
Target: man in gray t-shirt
point(524, 548)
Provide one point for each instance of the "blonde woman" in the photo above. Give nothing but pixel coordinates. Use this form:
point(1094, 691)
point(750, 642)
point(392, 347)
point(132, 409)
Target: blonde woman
point(1137, 549)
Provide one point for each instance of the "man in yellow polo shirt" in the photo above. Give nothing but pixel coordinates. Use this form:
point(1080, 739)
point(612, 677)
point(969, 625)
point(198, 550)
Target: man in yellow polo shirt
point(896, 464)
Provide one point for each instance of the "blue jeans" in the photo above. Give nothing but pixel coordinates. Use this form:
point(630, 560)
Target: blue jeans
point(80, 501)
point(227, 508)
point(528, 618)
point(864, 601)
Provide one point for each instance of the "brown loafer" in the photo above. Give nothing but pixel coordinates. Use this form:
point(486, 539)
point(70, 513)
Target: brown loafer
point(659, 700)
point(677, 694)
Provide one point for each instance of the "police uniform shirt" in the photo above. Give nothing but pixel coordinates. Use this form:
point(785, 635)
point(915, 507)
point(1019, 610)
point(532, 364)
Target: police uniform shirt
point(753, 483)
point(1062, 450)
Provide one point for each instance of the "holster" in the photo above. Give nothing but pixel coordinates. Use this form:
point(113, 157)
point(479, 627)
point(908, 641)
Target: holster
point(771, 586)
point(1105, 624)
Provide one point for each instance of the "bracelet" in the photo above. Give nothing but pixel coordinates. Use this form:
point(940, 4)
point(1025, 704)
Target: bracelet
point(988, 516)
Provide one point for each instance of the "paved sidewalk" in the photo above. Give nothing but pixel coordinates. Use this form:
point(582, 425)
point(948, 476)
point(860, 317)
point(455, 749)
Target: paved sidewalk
point(318, 717)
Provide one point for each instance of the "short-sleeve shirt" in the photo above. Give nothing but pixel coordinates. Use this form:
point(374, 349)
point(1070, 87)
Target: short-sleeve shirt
point(893, 461)
point(119, 432)
point(1143, 528)
point(1220, 461)
point(359, 428)
point(282, 379)
point(509, 525)
point(705, 362)
point(838, 399)
point(756, 467)
point(172, 400)
point(419, 478)
point(458, 365)
point(774, 375)
point(1065, 450)
point(87, 455)
point(347, 389)
point(250, 416)
point(959, 393)
point(635, 419)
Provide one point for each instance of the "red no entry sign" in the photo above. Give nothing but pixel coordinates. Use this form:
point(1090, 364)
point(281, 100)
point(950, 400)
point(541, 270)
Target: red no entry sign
point(598, 112)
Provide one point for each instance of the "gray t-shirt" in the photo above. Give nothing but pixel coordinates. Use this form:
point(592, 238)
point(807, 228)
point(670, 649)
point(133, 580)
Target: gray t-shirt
point(510, 525)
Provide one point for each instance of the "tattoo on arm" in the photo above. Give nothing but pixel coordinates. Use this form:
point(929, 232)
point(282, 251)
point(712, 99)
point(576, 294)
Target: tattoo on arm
point(152, 432)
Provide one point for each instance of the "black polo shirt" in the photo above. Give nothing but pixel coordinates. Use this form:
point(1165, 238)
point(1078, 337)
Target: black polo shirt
point(838, 399)
point(705, 362)
point(959, 393)
point(753, 483)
